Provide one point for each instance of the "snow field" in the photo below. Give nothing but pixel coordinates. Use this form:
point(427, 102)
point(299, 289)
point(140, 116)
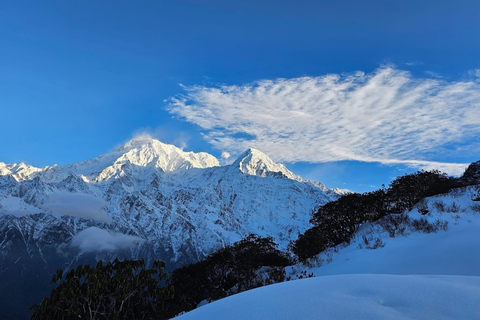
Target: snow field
point(414, 276)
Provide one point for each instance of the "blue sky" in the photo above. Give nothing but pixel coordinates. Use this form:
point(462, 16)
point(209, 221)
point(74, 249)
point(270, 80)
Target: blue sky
point(350, 93)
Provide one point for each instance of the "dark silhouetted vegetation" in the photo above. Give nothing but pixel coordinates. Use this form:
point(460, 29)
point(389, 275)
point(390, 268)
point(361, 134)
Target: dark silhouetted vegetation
point(128, 290)
point(336, 221)
point(249, 263)
point(115, 290)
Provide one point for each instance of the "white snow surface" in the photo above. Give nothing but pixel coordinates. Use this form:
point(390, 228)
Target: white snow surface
point(256, 163)
point(20, 171)
point(414, 276)
point(449, 252)
point(138, 152)
point(359, 297)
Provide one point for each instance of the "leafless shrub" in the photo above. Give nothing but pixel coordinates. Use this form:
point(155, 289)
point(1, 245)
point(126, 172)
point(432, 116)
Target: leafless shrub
point(303, 275)
point(395, 224)
point(422, 207)
point(372, 243)
point(440, 225)
point(454, 207)
point(423, 225)
point(476, 193)
point(475, 207)
point(439, 205)
point(457, 192)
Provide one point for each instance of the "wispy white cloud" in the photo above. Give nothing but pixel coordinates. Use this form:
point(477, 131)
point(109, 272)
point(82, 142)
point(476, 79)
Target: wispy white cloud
point(414, 63)
point(225, 155)
point(387, 116)
point(475, 73)
point(76, 205)
point(95, 239)
point(451, 168)
point(433, 74)
point(166, 134)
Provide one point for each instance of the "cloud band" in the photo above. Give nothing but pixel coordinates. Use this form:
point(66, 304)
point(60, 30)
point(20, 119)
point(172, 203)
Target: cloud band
point(387, 116)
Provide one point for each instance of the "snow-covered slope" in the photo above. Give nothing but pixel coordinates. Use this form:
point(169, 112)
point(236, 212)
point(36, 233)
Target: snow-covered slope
point(360, 297)
point(256, 163)
point(410, 275)
point(413, 251)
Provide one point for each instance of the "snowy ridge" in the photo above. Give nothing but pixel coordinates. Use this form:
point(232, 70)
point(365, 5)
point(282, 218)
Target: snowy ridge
point(256, 163)
point(144, 151)
point(19, 171)
point(182, 203)
point(138, 152)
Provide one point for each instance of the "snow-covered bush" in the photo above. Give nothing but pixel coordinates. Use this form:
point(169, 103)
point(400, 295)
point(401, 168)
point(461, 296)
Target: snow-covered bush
point(425, 226)
point(439, 205)
point(454, 208)
point(475, 207)
point(372, 243)
point(395, 224)
point(336, 221)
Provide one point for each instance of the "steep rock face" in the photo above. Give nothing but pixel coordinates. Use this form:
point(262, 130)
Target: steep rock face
point(178, 206)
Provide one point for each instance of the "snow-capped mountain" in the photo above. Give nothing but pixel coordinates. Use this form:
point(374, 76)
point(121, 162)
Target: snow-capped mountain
point(146, 199)
point(160, 193)
point(141, 152)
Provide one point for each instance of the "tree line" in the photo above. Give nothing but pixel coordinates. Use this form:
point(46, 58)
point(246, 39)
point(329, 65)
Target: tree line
point(335, 222)
point(129, 290)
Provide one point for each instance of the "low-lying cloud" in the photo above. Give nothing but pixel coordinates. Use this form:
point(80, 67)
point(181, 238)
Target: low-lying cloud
point(80, 205)
point(94, 239)
point(387, 116)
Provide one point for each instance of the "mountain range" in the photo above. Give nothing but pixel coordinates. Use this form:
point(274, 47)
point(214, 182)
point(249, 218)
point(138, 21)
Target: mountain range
point(144, 199)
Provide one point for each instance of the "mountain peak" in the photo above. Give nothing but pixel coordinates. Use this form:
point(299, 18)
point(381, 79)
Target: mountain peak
point(141, 141)
point(20, 171)
point(253, 153)
point(256, 163)
point(145, 151)
point(142, 151)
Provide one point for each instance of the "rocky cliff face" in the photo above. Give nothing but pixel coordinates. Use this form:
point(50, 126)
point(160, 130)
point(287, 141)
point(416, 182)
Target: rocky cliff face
point(144, 199)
